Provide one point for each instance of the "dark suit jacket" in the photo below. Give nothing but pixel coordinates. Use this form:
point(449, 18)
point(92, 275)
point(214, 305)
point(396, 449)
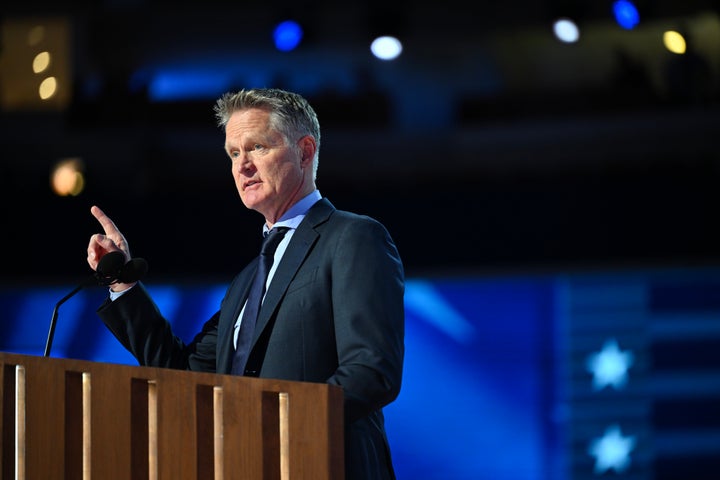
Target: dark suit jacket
point(333, 313)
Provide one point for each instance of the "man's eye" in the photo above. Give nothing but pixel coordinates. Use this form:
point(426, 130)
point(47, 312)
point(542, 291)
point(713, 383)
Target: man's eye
point(257, 146)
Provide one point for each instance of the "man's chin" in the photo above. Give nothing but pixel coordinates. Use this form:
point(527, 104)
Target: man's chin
point(252, 203)
point(249, 199)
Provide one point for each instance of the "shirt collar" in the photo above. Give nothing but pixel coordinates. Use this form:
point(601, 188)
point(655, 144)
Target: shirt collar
point(297, 212)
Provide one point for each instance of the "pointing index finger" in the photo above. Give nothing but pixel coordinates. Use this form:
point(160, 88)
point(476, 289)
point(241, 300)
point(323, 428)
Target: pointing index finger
point(108, 225)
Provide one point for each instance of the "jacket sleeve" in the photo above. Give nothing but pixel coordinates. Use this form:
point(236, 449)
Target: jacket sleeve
point(369, 317)
point(136, 322)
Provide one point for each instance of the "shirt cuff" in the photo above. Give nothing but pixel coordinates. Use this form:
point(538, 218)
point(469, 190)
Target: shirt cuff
point(115, 295)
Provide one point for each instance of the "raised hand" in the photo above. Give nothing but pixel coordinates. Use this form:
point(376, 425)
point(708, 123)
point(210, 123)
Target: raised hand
point(112, 240)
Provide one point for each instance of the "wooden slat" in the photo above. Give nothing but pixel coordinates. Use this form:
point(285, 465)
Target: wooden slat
point(218, 437)
point(20, 422)
point(86, 427)
point(284, 431)
point(153, 448)
point(102, 420)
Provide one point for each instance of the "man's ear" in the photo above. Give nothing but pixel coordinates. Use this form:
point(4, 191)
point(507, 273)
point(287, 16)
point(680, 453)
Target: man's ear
point(307, 147)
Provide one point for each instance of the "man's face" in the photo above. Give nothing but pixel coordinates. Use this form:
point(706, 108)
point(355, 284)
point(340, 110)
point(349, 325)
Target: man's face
point(270, 175)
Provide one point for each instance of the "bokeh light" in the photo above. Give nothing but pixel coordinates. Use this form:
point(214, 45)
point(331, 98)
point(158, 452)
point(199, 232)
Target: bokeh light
point(386, 48)
point(67, 178)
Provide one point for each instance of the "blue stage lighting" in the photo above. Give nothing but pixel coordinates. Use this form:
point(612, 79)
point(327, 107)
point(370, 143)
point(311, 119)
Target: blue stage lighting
point(626, 14)
point(187, 84)
point(287, 35)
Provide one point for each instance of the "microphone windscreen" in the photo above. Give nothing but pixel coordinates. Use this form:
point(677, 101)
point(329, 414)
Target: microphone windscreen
point(110, 265)
point(133, 271)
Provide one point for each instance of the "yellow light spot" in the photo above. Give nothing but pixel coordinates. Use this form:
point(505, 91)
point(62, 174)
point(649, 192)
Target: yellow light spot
point(67, 178)
point(47, 88)
point(674, 42)
point(41, 62)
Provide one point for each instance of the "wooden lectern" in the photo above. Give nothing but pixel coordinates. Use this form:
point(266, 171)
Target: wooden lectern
point(75, 419)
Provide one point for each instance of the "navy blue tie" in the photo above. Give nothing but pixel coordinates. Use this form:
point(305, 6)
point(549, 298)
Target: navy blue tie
point(255, 297)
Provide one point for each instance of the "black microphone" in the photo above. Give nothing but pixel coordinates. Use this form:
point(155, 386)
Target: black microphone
point(133, 271)
point(111, 268)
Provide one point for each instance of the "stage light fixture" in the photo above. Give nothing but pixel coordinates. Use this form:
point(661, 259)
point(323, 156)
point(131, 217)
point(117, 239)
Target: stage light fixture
point(386, 47)
point(287, 35)
point(35, 64)
point(674, 42)
point(67, 177)
point(626, 14)
point(41, 62)
point(566, 30)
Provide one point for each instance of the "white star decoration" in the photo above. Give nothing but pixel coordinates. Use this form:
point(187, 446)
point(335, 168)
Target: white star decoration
point(610, 366)
point(612, 450)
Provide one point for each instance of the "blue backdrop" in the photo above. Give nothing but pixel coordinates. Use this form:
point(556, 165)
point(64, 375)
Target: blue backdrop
point(506, 377)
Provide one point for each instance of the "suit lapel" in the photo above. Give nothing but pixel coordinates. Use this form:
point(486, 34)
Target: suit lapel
point(301, 243)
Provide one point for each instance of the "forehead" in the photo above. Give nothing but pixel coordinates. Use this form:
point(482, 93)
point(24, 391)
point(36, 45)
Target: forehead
point(252, 120)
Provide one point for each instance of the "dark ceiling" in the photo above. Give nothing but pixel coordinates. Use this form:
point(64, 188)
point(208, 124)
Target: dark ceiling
point(536, 154)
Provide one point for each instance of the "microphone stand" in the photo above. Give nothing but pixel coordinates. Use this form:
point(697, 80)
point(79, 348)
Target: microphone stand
point(108, 270)
point(53, 320)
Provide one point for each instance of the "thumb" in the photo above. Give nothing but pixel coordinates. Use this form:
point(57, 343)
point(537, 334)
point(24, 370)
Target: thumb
point(107, 244)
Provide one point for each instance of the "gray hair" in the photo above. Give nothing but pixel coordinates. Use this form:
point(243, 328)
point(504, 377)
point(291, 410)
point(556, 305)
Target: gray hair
point(290, 113)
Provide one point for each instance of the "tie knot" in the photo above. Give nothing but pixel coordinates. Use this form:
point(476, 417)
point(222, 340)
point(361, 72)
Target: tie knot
point(272, 240)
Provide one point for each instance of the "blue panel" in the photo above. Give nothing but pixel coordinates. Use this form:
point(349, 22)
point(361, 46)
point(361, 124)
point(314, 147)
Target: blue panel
point(187, 84)
point(478, 382)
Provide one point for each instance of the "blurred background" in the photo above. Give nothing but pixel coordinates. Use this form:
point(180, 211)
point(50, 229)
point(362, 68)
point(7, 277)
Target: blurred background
point(548, 169)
